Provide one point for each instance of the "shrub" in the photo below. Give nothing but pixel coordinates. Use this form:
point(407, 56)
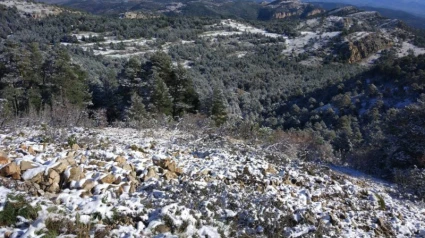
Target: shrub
point(56, 226)
point(72, 140)
point(15, 206)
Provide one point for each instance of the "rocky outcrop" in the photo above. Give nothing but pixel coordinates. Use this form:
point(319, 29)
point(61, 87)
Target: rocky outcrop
point(170, 168)
point(137, 15)
point(314, 12)
point(356, 50)
point(287, 9)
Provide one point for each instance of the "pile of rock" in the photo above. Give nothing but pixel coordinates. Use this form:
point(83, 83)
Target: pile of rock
point(166, 166)
point(68, 172)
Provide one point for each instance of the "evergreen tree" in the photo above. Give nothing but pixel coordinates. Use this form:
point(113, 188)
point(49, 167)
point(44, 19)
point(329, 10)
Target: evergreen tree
point(137, 109)
point(218, 108)
point(161, 99)
point(185, 98)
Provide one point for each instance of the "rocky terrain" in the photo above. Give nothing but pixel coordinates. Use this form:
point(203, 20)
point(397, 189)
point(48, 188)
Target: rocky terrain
point(32, 9)
point(116, 182)
point(286, 9)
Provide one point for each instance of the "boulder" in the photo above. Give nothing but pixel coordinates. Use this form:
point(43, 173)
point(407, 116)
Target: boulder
point(52, 177)
point(64, 163)
point(171, 166)
point(4, 160)
point(168, 164)
point(26, 165)
point(16, 176)
point(97, 163)
point(88, 185)
point(75, 147)
point(109, 178)
point(151, 174)
point(127, 167)
point(54, 188)
point(132, 188)
point(118, 180)
point(271, 169)
point(11, 169)
point(121, 160)
point(168, 175)
point(36, 179)
point(132, 176)
point(75, 174)
point(49, 182)
point(163, 163)
point(178, 171)
point(205, 172)
point(83, 159)
point(160, 229)
point(31, 150)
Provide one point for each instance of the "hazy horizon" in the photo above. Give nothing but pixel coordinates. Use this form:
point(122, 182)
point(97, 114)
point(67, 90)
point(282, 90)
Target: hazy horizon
point(416, 7)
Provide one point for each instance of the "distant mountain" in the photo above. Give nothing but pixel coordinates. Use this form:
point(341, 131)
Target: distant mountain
point(408, 18)
point(412, 6)
point(244, 9)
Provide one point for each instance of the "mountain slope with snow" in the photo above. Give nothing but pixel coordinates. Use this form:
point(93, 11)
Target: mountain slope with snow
point(170, 183)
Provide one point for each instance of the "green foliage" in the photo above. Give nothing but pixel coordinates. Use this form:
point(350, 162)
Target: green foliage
point(137, 111)
point(381, 202)
point(72, 140)
point(185, 98)
point(17, 205)
point(218, 108)
point(161, 97)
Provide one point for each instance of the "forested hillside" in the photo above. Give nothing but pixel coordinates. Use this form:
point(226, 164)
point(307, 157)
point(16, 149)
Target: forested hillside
point(343, 86)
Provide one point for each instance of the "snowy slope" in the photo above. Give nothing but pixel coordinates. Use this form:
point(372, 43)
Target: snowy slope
point(170, 183)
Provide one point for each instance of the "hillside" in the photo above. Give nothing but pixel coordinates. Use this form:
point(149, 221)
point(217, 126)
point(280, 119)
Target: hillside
point(247, 9)
point(415, 7)
point(264, 113)
point(162, 182)
point(408, 18)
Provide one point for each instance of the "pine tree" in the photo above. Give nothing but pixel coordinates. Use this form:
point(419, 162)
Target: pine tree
point(137, 111)
point(218, 109)
point(161, 98)
point(185, 98)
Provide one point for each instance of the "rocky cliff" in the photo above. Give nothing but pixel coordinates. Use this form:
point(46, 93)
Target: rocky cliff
point(285, 9)
point(358, 48)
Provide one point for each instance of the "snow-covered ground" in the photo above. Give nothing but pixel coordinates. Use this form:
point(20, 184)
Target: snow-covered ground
point(406, 47)
point(36, 10)
point(239, 28)
point(131, 47)
point(171, 183)
point(308, 41)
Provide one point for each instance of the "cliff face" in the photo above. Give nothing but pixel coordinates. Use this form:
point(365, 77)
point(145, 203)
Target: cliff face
point(286, 9)
point(303, 12)
point(356, 50)
point(137, 15)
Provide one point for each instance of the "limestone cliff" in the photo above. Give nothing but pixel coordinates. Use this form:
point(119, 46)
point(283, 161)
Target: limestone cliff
point(357, 49)
point(285, 9)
